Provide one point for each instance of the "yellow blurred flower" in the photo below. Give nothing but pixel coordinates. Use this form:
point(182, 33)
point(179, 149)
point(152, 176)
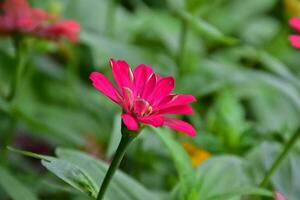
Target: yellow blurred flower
point(292, 7)
point(197, 155)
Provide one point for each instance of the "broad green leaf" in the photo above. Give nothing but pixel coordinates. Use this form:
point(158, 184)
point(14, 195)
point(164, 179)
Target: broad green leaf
point(122, 186)
point(84, 11)
point(283, 86)
point(286, 179)
point(72, 175)
point(230, 16)
point(66, 171)
point(203, 27)
point(30, 154)
point(3, 105)
point(14, 188)
point(260, 30)
point(181, 161)
point(176, 4)
point(226, 118)
point(159, 27)
point(277, 66)
point(215, 174)
point(105, 48)
point(244, 191)
point(40, 124)
point(273, 111)
point(86, 173)
point(219, 75)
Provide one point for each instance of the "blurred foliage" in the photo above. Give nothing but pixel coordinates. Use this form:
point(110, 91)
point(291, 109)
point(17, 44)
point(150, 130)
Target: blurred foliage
point(233, 56)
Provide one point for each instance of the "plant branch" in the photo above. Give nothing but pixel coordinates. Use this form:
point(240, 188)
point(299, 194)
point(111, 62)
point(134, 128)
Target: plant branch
point(287, 147)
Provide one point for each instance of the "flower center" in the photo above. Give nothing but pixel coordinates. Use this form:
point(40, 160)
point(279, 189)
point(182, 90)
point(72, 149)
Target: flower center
point(141, 107)
point(135, 105)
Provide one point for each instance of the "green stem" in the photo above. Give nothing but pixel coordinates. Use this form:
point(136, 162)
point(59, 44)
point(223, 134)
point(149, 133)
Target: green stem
point(182, 42)
point(127, 137)
point(20, 68)
point(15, 87)
point(72, 73)
point(288, 146)
point(72, 64)
point(8, 138)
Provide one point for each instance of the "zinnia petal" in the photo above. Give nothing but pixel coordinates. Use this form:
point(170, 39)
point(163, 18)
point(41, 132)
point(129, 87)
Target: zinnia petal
point(127, 98)
point(149, 86)
point(295, 40)
point(156, 120)
point(163, 88)
point(176, 100)
point(182, 109)
point(141, 75)
point(295, 23)
point(130, 122)
point(122, 74)
point(102, 84)
point(180, 125)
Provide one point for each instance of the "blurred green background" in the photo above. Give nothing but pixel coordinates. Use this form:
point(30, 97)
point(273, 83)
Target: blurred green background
point(233, 55)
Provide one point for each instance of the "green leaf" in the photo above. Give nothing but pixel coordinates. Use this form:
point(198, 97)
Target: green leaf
point(278, 67)
point(86, 173)
point(272, 110)
point(231, 16)
point(215, 174)
point(84, 11)
point(260, 30)
point(14, 188)
point(72, 175)
point(30, 154)
point(203, 27)
point(226, 118)
point(176, 4)
point(181, 161)
point(286, 178)
point(46, 124)
point(104, 48)
point(66, 171)
point(121, 187)
point(4, 105)
point(241, 192)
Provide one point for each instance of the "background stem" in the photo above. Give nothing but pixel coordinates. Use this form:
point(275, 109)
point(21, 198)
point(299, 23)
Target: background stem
point(287, 147)
point(20, 67)
point(182, 41)
point(7, 140)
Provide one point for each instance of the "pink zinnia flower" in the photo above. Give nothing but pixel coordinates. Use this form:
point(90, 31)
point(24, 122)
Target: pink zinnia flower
point(68, 29)
point(18, 17)
point(295, 39)
point(145, 97)
point(279, 196)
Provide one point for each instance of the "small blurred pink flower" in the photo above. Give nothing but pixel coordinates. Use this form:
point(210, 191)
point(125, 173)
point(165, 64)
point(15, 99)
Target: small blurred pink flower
point(295, 39)
point(145, 97)
point(17, 16)
point(279, 196)
point(67, 28)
